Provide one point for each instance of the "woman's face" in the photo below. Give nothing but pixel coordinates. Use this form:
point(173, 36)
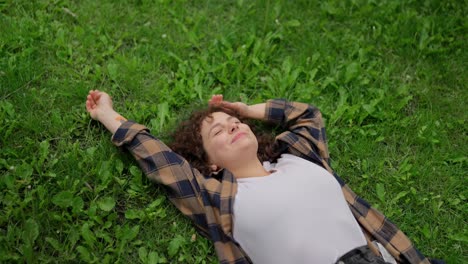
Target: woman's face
point(227, 141)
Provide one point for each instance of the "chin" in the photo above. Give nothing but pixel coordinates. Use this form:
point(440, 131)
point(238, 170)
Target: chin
point(249, 147)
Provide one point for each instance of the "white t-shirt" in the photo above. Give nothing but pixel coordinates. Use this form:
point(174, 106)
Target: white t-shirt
point(297, 214)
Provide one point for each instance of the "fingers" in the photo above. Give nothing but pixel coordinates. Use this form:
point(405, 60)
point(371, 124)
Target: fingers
point(89, 102)
point(88, 106)
point(95, 96)
point(216, 99)
point(92, 99)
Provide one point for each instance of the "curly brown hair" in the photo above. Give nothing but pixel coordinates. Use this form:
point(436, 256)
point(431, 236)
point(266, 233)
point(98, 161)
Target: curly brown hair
point(187, 140)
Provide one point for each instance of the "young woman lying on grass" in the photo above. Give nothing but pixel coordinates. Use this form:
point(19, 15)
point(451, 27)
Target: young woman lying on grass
point(273, 202)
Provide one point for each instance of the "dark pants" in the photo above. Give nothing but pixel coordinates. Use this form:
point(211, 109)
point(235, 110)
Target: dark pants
point(360, 255)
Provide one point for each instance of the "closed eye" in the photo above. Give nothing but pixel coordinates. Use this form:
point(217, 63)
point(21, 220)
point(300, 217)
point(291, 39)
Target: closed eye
point(216, 128)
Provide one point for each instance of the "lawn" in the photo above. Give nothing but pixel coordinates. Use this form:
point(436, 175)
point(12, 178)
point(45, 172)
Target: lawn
point(389, 76)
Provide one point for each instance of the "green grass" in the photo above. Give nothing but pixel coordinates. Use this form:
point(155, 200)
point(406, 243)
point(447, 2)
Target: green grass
point(389, 76)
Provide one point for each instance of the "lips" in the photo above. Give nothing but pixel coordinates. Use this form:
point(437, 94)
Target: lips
point(237, 136)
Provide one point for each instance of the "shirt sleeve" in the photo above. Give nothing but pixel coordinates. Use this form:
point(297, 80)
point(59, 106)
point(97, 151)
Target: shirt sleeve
point(163, 166)
point(304, 134)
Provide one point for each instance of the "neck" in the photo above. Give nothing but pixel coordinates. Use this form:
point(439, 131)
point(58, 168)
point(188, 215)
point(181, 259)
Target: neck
point(253, 168)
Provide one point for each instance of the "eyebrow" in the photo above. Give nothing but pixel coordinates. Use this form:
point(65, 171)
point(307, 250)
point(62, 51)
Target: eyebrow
point(218, 124)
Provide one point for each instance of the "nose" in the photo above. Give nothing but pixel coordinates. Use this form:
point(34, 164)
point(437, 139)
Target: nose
point(234, 127)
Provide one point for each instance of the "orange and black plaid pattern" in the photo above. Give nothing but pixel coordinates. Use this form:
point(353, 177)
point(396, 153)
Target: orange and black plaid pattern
point(209, 201)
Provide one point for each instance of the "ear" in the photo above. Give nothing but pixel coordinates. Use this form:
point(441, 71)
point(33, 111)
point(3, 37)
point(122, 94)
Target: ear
point(213, 167)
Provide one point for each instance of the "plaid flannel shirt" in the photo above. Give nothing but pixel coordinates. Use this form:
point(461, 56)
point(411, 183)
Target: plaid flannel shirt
point(208, 202)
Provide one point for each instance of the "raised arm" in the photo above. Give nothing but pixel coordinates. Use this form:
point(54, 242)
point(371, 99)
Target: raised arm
point(305, 131)
point(158, 162)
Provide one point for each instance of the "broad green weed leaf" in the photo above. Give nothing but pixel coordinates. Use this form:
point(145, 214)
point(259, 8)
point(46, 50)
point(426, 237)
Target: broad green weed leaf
point(24, 171)
point(329, 8)
point(31, 231)
point(400, 195)
point(105, 175)
point(312, 75)
point(112, 69)
point(405, 166)
point(87, 234)
point(60, 38)
point(156, 202)
point(77, 204)
point(133, 214)
point(126, 233)
point(461, 159)
point(109, 223)
point(403, 102)
point(63, 199)
point(426, 231)
point(3, 164)
point(379, 139)
point(175, 57)
point(163, 114)
point(403, 89)
point(92, 209)
point(197, 87)
point(104, 168)
point(143, 254)
point(107, 259)
point(136, 185)
point(135, 171)
point(286, 66)
point(27, 251)
point(369, 108)
point(455, 201)
point(154, 123)
point(84, 253)
point(352, 71)
point(424, 35)
point(175, 244)
point(90, 151)
point(9, 181)
point(459, 237)
point(119, 166)
point(7, 107)
point(120, 181)
point(43, 151)
point(153, 257)
point(97, 71)
point(104, 235)
point(380, 190)
point(293, 23)
point(131, 233)
point(54, 243)
point(106, 203)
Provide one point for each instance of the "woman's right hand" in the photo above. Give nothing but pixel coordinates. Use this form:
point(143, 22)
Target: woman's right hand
point(99, 107)
point(249, 111)
point(238, 107)
point(98, 103)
